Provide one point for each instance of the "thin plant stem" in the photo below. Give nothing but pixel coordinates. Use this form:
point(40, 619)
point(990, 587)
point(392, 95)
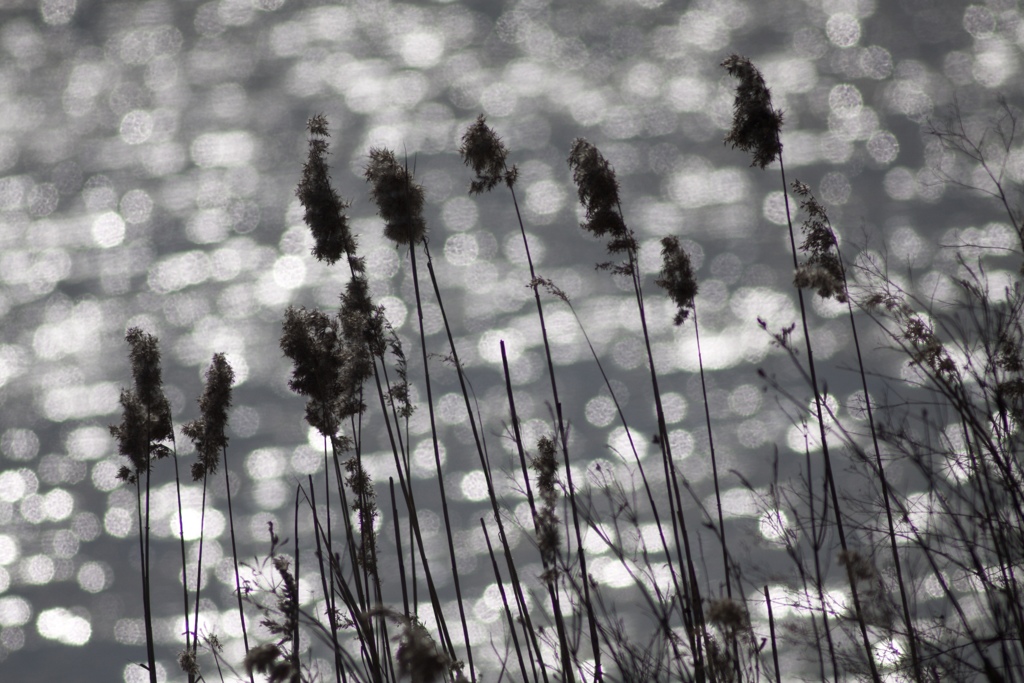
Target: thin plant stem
point(234, 552)
point(295, 621)
point(398, 549)
point(481, 451)
point(675, 500)
point(504, 601)
point(567, 668)
point(437, 462)
point(199, 563)
point(714, 460)
point(146, 606)
point(915, 656)
point(771, 632)
point(332, 619)
point(829, 478)
point(184, 570)
point(681, 590)
point(417, 538)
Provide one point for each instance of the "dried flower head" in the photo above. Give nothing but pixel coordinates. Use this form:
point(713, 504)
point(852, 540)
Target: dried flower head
point(312, 340)
point(187, 662)
point(365, 507)
point(333, 356)
point(728, 615)
point(418, 655)
point(207, 432)
point(268, 659)
point(1009, 359)
point(677, 277)
point(859, 566)
point(484, 152)
point(545, 464)
point(755, 123)
point(399, 200)
point(550, 287)
point(324, 209)
point(144, 354)
point(598, 191)
point(398, 392)
point(925, 346)
point(146, 413)
point(823, 270)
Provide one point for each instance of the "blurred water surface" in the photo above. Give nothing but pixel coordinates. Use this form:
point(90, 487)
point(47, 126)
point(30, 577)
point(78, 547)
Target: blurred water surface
point(149, 153)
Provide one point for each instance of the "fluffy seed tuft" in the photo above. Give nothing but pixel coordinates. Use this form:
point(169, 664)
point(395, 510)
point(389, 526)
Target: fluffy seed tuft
point(207, 432)
point(484, 152)
point(324, 209)
point(677, 277)
point(755, 123)
point(399, 200)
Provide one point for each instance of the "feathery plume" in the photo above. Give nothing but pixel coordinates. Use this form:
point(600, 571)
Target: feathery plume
point(310, 338)
point(146, 413)
point(755, 123)
point(365, 506)
point(485, 153)
point(268, 659)
point(677, 277)
point(207, 432)
point(324, 209)
point(728, 615)
point(548, 537)
point(399, 200)
point(598, 191)
point(331, 356)
point(418, 655)
point(822, 271)
point(859, 566)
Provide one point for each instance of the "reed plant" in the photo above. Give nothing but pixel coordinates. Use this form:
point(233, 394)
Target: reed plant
point(916, 581)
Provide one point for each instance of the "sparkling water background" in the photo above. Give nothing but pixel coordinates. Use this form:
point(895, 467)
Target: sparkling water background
point(149, 153)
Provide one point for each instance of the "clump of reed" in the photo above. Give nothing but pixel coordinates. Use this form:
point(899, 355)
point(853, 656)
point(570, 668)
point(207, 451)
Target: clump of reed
point(704, 615)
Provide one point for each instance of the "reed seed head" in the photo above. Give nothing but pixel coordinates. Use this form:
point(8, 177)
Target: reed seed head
point(598, 191)
point(484, 152)
point(324, 209)
point(549, 538)
point(755, 123)
point(597, 187)
point(728, 615)
point(926, 348)
point(187, 662)
point(399, 200)
point(859, 566)
point(822, 271)
point(312, 340)
point(144, 354)
point(365, 506)
point(146, 413)
point(207, 432)
point(418, 655)
point(268, 659)
point(677, 277)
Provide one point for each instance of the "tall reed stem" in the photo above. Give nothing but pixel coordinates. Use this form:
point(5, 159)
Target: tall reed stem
point(437, 463)
point(829, 478)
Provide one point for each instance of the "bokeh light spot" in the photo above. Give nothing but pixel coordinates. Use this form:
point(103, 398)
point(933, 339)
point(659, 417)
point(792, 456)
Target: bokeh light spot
point(883, 147)
point(108, 230)
point(600, 411)
point(64, 626)
point(19, 444)
point(843, 30)
point(422, 49)
point(136, 127)
point(94, 577)
point(57, 12)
